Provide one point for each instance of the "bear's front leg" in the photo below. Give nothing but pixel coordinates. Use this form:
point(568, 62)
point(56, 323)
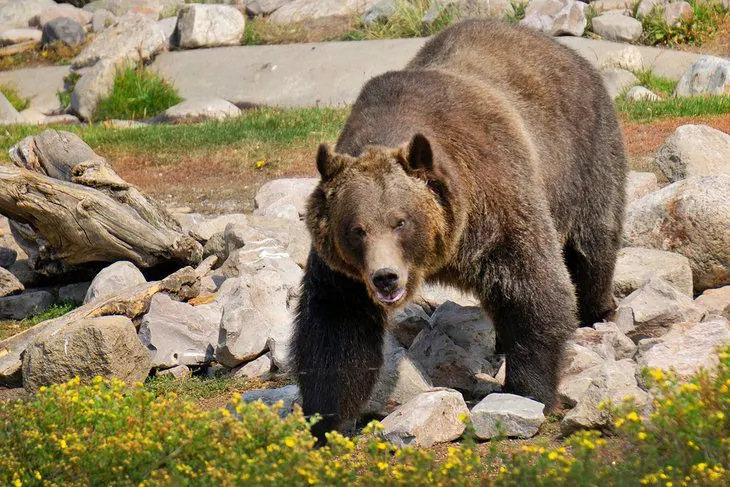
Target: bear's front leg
point(532, 302)
point(337, 345)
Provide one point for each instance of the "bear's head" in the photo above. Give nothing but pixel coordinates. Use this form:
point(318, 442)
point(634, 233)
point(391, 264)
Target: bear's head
point(385, 217)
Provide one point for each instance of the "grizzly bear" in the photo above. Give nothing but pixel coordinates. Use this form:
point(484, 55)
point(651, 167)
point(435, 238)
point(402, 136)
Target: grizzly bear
point(494, 163)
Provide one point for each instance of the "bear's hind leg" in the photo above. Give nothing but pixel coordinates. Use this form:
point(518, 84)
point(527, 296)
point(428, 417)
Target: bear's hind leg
point(337, 345)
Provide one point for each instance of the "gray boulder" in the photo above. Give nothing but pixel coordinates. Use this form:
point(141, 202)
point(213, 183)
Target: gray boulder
point(617, 80)
point(508, 415)
point(179, 372)
point(709, 75)
point(675, 12)
point(21, 306)
point(274, 195)
point(694, 150)
point(400, 380)
point(94, 84)
point(288, 395)
point(107, 346)
point(656, 306)
point(264, 7)
point(16, 36)
point(690, 217)
point(177, 333)
point(645, 7)
point(640, 184)
point(379, 12)
point(64, 30)
point(628, 58)
point(408, 323)
point(61, 10)
point(7, 257)
point(198, 110)
point(686, 347)
point(639, 93)
point(259, 368)
point(636, 265)
point(9, 284)
point(427, 419)
point(101, 20)
point(298, 10)
point(617, 28)
point(18, 13)
point(606, 340)
point(112, 279)
point(74, 293)
point(716, 301)
point(556, 17)
point(202, 25)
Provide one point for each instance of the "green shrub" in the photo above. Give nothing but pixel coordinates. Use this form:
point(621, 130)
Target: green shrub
point(405, 22)
point(518, 11)
point(138, 93)
point(18, 102)
point(702, 27)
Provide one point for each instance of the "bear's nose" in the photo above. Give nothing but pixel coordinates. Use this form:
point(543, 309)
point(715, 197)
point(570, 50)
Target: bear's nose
point(385, 279)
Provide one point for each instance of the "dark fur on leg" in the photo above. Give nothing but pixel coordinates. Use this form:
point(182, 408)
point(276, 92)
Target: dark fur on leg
point(337, 345)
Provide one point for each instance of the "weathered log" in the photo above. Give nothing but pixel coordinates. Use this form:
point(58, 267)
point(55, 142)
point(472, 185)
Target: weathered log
point(133, 303)
point(68, 207)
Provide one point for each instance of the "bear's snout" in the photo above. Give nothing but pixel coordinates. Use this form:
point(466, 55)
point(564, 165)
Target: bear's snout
point(385, 280)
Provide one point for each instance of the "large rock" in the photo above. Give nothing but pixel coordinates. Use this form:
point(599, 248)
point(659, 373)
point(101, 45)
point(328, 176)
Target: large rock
point(299, 10)
point(201, 25)
point(379, 12)
point(64, 30)
point(259, 368)
point(107, 346)
point(686, 348)
point(656, 306)
point(617, 28)
point(18, 13)
point(264, 7)
point(112, 279)
point(95, 84)
point(24, 305)
point(640, 184)
point(8, 113)
point(274, 195)
point(575, 380)
point(16, 36)
point(639, 93)
point(716, 301)
point(690, 217)
point(694, 150)
point(709, 75)
point(646, 7)
point(675, 12)
point(606, 340)
point(556, 17)
point(9, 284)
point(612, 381)
point(400, 380)
point(507, 415)
point(198, 110)
point(101, 20)
point(135, 38)
point(617, 80)
point(62, 10)
point(468, 327)
point(429, 418)
point(177, 333)
point(431, 296)
point(636, 265)
point(407, 323)
point(628, 58)
point(288, 395)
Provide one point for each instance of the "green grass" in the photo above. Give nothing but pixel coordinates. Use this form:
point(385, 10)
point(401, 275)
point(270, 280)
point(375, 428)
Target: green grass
point(658, 84)
point(518, 11)
point(10, 328)
point(701, 28)
point(69, 83)
point(405, 22)
point(697, 106)
point(11, 93)
point(194, 388)
point(138, 93)
point(266, 125)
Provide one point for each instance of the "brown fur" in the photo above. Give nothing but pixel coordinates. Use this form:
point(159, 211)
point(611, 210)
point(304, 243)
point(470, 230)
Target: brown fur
point(494, 162)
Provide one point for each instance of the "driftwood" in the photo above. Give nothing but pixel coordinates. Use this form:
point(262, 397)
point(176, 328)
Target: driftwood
point(133, 303)
point(68, 207)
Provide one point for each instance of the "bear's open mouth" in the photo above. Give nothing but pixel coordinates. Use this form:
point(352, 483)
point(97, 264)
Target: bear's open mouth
point(390, 298)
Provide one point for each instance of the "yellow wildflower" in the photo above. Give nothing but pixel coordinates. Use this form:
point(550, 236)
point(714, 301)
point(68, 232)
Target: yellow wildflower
point(642, 435)
point(290, 442)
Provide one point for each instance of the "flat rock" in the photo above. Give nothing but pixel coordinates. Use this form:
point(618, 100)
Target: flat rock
point(259, 368)
point(507, 415)
point(288, 395)
point(690, 217)
point(9, 284)
point(16, 36)
point(407, 323)
point(694, 150)
point(62, 10)
point(274, 195)
point(617, 28)
point(179, 372)
point(264, 7)
point(427, 419)
point(177, 333)
point(639, 93)
point(656, 306)
point(617, 80)
point(202, 25)
point(709, 75)
point(114, 278)
point(556, 17)
point(636, 265)
point(107, 346)
point(18, 13)
point(198, 110)
point(21, 306)
point(400, 380)
point(686, 347)
point(298, 10)
point(628, 58)
point(640, 184)
point(612, 381)
point(716, 301)
point(64, 30)
point(135, 38)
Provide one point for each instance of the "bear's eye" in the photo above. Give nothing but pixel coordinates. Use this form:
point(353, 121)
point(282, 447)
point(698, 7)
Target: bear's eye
point(400, 224)
point(358, 232)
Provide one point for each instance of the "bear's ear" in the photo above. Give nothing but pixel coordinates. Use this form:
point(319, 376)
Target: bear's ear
point(420, 155)
point(327, 165)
